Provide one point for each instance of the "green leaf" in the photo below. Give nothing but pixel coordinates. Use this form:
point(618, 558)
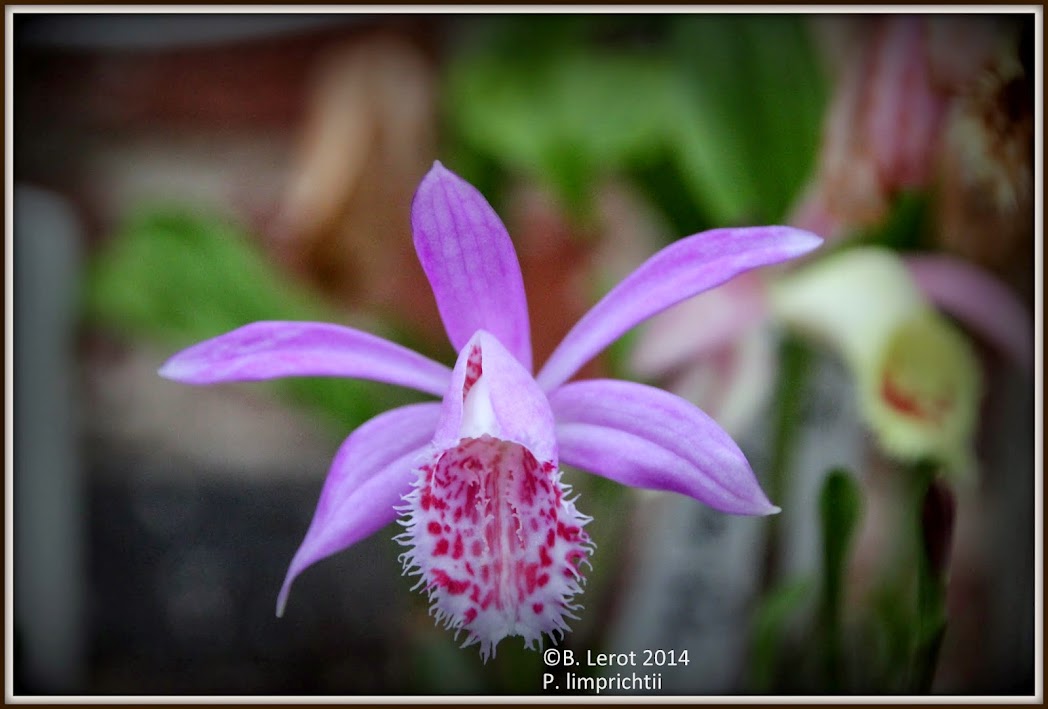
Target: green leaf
point(557, 112)
point(905, 227)
point(840, 508)
point(749, 112)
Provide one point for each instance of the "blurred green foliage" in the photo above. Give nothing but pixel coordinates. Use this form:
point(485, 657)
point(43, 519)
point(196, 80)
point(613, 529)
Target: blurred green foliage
point(174, 276)
point(717, 117)
point(778, 609)
point(840, 510)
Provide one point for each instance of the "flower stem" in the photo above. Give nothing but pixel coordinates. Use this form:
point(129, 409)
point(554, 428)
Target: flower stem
point(934, 507)
point(794, 364)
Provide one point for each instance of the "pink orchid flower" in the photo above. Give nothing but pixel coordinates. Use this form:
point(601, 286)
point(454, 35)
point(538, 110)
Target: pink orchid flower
point(475, 478)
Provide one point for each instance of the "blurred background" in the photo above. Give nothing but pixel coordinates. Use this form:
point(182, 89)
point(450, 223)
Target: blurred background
point(177, 176)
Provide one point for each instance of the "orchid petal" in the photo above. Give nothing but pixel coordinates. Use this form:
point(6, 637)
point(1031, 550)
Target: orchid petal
point(492, 394)
point(979, 301)
point(645, 437)
point(679, 271)
point(372, 470)
point(918, 379)
point(470, 262)
point(272, 349)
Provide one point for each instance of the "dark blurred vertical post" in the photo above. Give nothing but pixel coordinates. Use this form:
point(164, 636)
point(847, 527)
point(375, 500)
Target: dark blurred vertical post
point(48, 489)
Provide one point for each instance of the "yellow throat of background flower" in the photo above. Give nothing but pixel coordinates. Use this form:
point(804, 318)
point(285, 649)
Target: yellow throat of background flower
point(917, 376)
point(920, 392)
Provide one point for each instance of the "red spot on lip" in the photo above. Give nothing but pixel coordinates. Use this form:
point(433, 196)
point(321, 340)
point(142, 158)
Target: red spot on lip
point(442, 547)
point(544, 557)
point(471, 615)
point(433, 527)
point(529, 577)
point(442, 580)
point(569, 534)
point(476, 548)
point(537, 607)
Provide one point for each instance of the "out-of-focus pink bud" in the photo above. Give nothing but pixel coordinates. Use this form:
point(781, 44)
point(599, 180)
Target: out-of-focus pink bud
point(895, 78)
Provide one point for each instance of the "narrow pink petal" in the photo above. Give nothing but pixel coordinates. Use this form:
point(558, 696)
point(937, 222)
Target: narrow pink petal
point(268, 350)
point(979, 301)
point(514, 407)
point(645, 437)
point(470, 262)
point(372, 470)
point(905, 110)
point(681, 270)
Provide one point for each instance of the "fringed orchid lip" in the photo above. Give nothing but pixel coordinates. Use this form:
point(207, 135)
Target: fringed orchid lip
point(489, 525)
point(475, 479)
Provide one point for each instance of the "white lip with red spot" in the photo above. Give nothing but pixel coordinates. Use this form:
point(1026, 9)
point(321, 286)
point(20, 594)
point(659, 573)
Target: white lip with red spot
point(918, 377)
point(921, 395)
point(490, 529)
